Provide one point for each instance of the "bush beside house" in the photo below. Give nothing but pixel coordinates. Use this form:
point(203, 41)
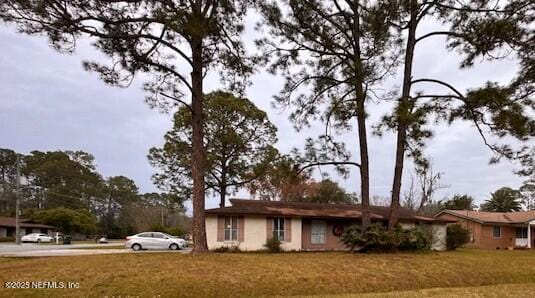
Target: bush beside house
point(456, 236)
point(378, 238)
point(228, 249)
point(415, 238)
point(273, 245)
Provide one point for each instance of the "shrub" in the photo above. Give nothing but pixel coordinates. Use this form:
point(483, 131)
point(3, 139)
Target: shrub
point(228, 249)
point(174, 231)
point(7, 239)
point(378, 238)
point(373, 237)
point(456, 236)
point(414, 239)
point(273, 245)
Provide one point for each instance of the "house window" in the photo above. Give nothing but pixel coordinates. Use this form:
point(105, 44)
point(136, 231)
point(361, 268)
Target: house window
point(318, 232)
point(278, 228)
point(497, 231)
point(522, 233)
point(231, 228)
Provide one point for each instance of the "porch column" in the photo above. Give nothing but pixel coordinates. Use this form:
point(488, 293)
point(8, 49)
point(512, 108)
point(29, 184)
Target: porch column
point(529, 234)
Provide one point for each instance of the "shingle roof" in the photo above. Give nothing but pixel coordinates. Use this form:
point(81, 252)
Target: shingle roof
point(278, 208)
point(24, 223)
point(493, 217)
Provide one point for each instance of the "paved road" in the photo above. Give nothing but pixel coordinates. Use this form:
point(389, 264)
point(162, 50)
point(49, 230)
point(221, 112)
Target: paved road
point(10, 247)
point(40, 250)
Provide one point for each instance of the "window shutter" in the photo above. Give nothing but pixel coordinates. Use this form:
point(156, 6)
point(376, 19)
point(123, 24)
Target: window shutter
point(220, 228)
point(269, 227)
point(288, 229)
point(241, 226)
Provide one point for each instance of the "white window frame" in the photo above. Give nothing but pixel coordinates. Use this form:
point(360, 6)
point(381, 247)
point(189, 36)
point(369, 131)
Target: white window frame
point(231, 229)
point(500, 232)
point(278, 228)
point(318, 232)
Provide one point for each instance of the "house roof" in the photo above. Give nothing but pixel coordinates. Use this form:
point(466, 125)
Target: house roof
point(493, 217)
point(24, 223)
point(317, 210)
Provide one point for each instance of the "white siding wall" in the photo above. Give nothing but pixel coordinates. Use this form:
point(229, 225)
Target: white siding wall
point(438, 231)
point(297, 241)
point(439, 237)
point(211, 231)
point(405, 225)
point(254, 236)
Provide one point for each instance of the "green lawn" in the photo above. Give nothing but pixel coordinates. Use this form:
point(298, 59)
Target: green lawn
point(472, 273)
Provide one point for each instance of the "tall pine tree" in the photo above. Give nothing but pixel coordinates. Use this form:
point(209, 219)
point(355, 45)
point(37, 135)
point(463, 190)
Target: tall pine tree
point(174, 42)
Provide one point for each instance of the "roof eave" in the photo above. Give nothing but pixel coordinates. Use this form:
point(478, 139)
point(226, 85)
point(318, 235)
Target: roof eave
point(461, 216)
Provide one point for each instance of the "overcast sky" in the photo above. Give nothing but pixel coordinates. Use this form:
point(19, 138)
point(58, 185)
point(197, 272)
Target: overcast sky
point(48, 102)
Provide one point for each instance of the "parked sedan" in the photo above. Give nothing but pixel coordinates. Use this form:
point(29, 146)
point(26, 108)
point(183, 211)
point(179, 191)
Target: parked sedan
point(154, 240)
point(36, 238)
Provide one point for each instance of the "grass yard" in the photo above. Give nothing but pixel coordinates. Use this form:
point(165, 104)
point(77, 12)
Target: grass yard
point(464, 273)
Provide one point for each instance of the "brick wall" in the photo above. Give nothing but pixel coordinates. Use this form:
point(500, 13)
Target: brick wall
point(482, 235)
point(507, 238)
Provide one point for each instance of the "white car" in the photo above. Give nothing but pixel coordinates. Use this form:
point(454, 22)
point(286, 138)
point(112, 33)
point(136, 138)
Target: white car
point(37, 238)
point(154, 240)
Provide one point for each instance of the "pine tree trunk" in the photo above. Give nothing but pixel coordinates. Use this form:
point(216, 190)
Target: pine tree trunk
point(364, 163)
point(223, 188)
point(198, 151)
point(222, 197)
point(403, 111)
point(361, 122)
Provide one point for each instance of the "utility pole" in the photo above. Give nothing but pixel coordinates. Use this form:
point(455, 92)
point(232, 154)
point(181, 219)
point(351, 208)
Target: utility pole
point(161, 209)
point(17, 203)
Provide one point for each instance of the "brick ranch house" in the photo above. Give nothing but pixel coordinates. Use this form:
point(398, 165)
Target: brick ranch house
point(495, 230)
point(27, 226)
point(300, 226)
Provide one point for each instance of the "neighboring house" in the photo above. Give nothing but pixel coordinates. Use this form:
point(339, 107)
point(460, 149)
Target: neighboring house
point(300, 226)
point(495, 230)
point(27, 226)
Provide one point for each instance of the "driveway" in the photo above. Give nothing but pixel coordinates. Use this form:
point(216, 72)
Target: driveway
point(43, 250)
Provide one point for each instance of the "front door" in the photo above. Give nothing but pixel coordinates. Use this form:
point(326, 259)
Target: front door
point(521, 237)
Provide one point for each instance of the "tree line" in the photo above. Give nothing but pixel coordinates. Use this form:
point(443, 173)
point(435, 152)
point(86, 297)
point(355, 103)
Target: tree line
point(420, 195)
point(335, 56)
point(64, 189)
point(504, 199)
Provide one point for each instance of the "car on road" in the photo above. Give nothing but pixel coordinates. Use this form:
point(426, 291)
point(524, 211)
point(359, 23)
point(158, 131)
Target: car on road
point(154, 240)
point(36, 238)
